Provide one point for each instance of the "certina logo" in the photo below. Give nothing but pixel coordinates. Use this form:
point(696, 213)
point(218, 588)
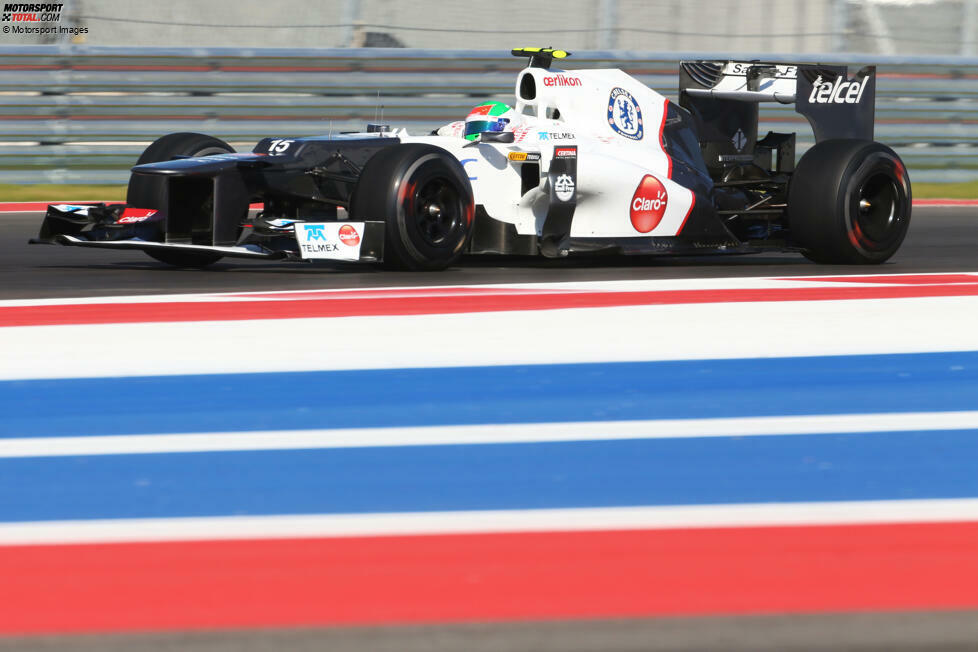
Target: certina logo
point(32, 12)
point(648, 204)
point(841, 92)
point(349, 236)
point(565, 152)
point(625, 115)
point(564, 187)
point(561, 80)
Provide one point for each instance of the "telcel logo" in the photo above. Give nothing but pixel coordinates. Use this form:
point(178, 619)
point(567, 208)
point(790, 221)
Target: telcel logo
point(841, 92)
point(648, 204)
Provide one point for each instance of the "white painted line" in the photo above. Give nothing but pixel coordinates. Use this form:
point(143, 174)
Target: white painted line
point(580, 335)
point(485, 522)
point(487, 434)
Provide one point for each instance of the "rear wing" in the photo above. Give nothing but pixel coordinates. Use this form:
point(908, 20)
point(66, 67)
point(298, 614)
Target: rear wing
point(724, 96)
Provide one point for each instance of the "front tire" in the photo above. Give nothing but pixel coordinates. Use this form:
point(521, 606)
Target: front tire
point(148, 191)
point(425, 198)
point(849, 202)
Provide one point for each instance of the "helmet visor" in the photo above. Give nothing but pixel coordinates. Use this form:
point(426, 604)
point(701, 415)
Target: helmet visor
point(476, 127)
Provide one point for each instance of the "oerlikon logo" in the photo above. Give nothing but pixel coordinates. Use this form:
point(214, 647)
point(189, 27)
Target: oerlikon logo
point(648, 204)
point(349, 235)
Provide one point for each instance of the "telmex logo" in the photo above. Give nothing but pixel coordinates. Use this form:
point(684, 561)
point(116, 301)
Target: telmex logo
point(561, 80)
point(841, 92)
point(316, 232)
point(648, 204)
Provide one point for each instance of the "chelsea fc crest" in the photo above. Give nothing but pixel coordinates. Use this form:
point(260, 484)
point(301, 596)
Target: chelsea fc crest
point(625, 115)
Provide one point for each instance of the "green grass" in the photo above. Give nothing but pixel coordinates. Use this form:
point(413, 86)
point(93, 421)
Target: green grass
point(967, 190)
point(58, 192)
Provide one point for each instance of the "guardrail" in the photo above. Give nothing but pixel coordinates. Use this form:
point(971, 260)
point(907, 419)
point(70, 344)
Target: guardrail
point(74, 114)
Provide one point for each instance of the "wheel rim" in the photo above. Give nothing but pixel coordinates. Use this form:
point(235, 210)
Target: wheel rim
point(437, 211)
point(878, 213)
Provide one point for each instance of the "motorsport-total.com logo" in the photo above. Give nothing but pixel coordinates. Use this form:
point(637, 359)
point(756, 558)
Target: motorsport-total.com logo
point(31, 12)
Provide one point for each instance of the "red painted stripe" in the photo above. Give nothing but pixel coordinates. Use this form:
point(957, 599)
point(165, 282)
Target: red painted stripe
point(451, 578)
point(346, 306)
point(29, 206)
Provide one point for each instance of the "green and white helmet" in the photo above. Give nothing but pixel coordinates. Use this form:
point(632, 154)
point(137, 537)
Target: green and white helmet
point(491, 116)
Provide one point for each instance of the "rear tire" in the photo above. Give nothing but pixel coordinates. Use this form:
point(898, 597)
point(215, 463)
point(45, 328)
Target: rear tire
point(425, 198)
point(849, 202)
point(147, 192)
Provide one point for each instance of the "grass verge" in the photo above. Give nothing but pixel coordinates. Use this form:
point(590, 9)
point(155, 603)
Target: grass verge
point(967, 190)
point(58, 192)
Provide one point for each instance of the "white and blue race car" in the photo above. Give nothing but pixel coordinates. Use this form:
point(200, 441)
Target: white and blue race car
point(588, 161)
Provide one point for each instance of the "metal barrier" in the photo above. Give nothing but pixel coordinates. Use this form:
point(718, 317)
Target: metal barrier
point(71, 114)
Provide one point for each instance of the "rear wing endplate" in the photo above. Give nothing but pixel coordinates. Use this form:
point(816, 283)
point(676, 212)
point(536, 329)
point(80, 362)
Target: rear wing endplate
point(724, 96)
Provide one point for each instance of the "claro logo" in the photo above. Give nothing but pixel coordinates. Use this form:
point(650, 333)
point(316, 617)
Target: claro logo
point(840, 92)
point(349, 236)
point(648, 204)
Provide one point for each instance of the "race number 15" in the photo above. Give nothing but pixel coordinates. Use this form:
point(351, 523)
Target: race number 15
point(279, 146)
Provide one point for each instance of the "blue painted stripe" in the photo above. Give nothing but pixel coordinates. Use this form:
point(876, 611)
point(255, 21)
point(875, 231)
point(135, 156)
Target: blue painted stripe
point(886, 466)
point(505, 394)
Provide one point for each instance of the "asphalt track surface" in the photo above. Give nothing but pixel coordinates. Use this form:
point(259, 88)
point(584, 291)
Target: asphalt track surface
point(940, 240)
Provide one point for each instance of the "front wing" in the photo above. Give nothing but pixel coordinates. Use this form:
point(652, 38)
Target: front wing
point(119, 226)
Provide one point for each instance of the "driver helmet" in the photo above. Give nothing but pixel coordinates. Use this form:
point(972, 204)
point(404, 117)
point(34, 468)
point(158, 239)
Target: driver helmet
point(491, 116)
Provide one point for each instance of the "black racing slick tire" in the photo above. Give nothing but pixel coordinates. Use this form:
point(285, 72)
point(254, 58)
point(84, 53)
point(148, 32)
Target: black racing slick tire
point(849, 202)
point(425, 199)
point(147, 192)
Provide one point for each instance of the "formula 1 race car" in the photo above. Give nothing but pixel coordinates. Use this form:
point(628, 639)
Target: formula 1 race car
point(595, 162)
